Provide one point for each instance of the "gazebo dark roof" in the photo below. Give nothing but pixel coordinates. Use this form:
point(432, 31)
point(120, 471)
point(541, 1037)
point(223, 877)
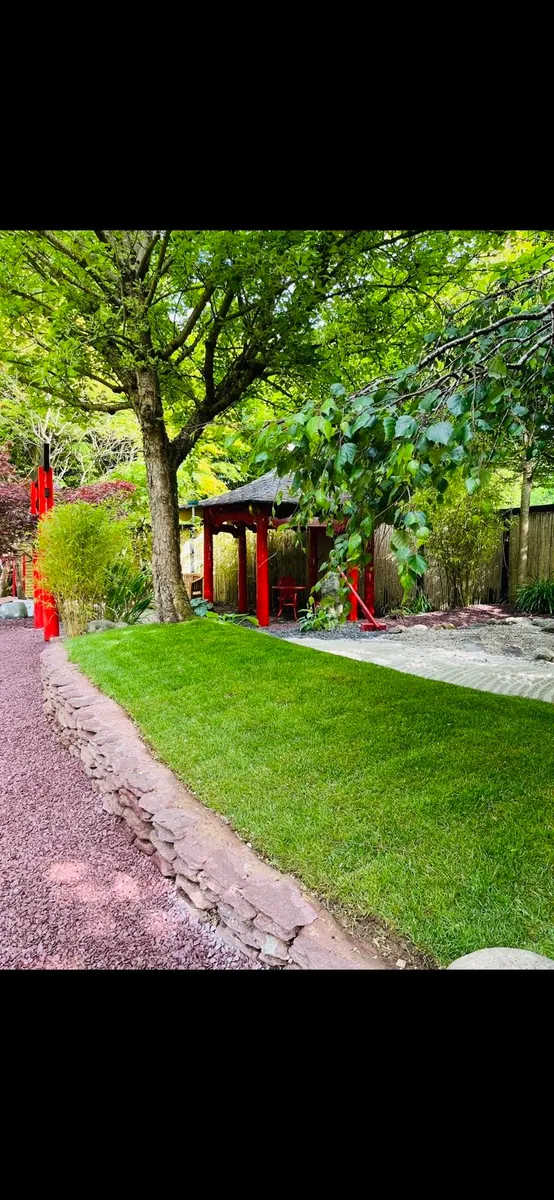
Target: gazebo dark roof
point(262, 491)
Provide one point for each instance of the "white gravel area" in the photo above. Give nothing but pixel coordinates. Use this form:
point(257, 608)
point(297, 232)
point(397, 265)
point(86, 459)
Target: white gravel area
point(516, 637)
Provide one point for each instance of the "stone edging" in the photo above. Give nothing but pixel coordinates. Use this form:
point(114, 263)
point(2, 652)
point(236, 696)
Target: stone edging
point(259, 911)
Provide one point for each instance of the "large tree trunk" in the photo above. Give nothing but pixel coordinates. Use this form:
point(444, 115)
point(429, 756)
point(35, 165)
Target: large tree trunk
point(525, 502)
point(172, 602)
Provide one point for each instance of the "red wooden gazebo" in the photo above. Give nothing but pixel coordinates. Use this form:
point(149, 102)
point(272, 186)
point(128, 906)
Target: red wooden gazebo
point(254, 506)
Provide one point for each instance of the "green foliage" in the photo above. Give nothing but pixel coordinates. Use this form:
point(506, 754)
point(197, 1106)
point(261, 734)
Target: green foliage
point(128, 593)
point(536, 597)
point(466, 532)
point(325, 615)
point(487, 382)
point(426, 805)
point(417, 604)
point(230, 618)
point(200, 607)
point(78, 546)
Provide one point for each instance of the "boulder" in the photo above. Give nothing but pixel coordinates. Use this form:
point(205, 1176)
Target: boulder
point(546, 625)
point(330, 584)
point(419, 628)
point(502, 958)
point(544, 656)
point(13, 610)
point(100, 626)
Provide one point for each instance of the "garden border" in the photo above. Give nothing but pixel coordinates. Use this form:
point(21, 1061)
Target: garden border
point(258, 910)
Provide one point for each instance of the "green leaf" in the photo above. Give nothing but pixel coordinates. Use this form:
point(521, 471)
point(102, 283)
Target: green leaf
point(366, 420)
point(519, 410)
point(337, 389)
point(455, 405)
point(313, 427)
point(389, 425)
point(440, 433)
point(405, 426)
point(418, 564)
point(426, 403)
point(472, 484)
point(346, 454)
point(497, 368)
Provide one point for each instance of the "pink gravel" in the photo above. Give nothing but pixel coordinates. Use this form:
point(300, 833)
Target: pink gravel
point(73, 894)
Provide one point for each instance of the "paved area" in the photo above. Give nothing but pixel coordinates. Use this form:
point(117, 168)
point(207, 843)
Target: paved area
point(498, 673)
point(73, 894)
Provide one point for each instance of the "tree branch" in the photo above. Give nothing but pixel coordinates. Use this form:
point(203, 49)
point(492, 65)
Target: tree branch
point(189, 325)
point(147, 254)
point(80, 260)
point(159, 265)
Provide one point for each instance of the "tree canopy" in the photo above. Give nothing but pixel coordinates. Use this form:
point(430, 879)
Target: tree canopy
point(482, 382)
point(183, 326)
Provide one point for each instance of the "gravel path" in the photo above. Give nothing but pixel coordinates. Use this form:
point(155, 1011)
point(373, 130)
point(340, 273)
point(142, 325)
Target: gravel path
point(73, 893)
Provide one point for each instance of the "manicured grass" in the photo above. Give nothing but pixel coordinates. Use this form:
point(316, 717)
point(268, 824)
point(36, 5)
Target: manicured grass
point(428, 805)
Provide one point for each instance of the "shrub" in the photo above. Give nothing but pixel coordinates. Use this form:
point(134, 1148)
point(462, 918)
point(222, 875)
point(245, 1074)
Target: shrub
point(78, 544)
point(128, 593)
point(466, 531)
point(325, 616)
point(536, 597)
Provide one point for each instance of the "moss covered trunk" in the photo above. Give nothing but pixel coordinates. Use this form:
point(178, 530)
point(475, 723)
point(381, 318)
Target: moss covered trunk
point(172, 602)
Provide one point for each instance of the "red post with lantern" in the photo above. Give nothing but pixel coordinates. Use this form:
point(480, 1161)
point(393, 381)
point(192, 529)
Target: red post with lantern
point(42, 500)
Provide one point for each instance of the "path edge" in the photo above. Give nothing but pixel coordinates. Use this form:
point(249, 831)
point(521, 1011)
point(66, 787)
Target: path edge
point(255, 908)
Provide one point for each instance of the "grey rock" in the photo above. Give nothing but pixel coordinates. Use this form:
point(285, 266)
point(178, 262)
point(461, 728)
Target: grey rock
point(397, 629)
point(544, 656)
point(419, 629)
point(122, 625)
point(472, 647)
point(14, 609)
point(100, 626)
point(514, 651)
point(502, 958)
point(546, 625)
point(330, 585)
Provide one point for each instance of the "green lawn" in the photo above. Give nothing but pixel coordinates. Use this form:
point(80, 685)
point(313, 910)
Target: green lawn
point(425, 804)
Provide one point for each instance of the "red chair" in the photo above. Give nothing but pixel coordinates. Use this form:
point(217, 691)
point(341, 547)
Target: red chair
point(287, 592)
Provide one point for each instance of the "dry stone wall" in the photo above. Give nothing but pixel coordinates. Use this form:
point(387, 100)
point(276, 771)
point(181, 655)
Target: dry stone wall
point(259, 911)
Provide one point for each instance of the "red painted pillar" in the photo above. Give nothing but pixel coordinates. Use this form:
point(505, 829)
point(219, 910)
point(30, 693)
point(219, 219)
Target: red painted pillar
point(37, 597)
point(24, 574)
point(45, 503)
point(262, 570)
point(14, 576)
point(369, 578)
point(312, 556)
point(208, 558)
point(243, 587)
point(353, 577)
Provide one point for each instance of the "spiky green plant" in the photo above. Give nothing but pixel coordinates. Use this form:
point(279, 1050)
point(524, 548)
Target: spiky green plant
point(536, 597)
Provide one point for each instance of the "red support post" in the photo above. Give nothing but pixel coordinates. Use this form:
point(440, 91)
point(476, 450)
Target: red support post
point(243, 587)
point(14, 576)
point(353, 577)
point(369, 577)
point(24, 574)
point(262, 570)
point(312, 556)
point(45, 486)
point(208, 558)
point(37, 597)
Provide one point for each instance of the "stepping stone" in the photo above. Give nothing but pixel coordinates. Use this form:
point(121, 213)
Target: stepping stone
point(502, 958)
